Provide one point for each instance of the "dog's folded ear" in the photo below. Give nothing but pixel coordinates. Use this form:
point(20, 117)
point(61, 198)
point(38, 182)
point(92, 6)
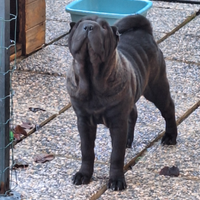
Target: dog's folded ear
point(115, 31)
point(116, 34)
point(72, 25)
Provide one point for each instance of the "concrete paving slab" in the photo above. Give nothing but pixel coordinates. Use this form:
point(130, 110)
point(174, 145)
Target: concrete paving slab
point(37, 91)
point(55, 10)
point(176, 5)
point(166, 19)
point(144, 181)
point(191, 28)
point(52, 59)
point(184, 83)
point(57, 20)
point(158, 35)
point(184, 48)
point(55, 29)
point(62, 42)
point(53, 180)
point(184, 45)
point(143, 184)
point(185, 155)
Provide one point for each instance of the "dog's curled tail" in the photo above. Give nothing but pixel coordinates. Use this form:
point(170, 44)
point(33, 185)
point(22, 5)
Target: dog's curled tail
point(133, 22)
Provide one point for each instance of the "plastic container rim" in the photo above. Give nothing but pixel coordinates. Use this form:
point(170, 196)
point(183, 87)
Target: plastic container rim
point(105, 14)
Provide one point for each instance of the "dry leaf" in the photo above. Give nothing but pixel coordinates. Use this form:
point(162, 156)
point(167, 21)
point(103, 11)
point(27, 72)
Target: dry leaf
point(19, 163)
point(27, 125)
point(42, 158)
point(19, 131)
point(169, 171)
point(36, 109)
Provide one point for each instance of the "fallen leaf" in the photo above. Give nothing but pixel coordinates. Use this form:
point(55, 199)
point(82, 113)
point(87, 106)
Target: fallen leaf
point(42, 158)
point(19, 131)
point(36, 109)
point(19, 163)
point(174, 171)
point(27, 125)
point(170, 171)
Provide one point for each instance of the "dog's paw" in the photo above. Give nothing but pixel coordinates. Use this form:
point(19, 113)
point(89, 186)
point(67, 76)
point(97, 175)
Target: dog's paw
point(117, 184)
point(79, 179)
point(168, 139)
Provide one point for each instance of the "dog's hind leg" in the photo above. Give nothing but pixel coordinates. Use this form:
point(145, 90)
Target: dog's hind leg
point(131, 125)
point(159, 93)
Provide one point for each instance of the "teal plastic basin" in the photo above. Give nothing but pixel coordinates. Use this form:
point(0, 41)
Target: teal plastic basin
point(111, 10)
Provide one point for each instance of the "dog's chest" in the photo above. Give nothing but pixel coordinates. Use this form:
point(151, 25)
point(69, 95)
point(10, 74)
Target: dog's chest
point(95, 106)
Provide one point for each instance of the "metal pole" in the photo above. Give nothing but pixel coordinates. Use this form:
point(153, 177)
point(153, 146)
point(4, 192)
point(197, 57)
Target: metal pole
point(4, 95)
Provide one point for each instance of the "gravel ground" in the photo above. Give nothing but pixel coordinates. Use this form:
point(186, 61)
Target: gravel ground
point(166, 19)
point(37, 91)
point(175, 5)
point(57, 20)
point(55, 29)
point(184, 83)
point(52, 59)
point(185, 43)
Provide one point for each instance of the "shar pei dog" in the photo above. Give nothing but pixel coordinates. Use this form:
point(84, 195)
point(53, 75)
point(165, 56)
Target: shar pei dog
point(112, 67)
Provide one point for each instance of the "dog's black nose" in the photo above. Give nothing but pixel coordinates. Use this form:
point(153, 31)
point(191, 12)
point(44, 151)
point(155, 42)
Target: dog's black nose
point(88, 27)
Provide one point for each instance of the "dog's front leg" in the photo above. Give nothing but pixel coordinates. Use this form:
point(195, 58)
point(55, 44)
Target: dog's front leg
point(118, 131)
point(87, 133)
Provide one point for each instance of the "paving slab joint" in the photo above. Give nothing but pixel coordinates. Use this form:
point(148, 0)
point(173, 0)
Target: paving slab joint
point(181, 61)
point(186, 21)
point(43, 123)
point(55, 74)
point(182, 1)
point(55, 40)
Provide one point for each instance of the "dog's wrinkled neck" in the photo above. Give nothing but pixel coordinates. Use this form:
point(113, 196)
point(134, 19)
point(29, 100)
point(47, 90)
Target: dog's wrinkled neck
point(93, 77)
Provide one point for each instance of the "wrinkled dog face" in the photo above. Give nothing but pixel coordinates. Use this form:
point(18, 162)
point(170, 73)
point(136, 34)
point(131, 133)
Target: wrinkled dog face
point(92, 38)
